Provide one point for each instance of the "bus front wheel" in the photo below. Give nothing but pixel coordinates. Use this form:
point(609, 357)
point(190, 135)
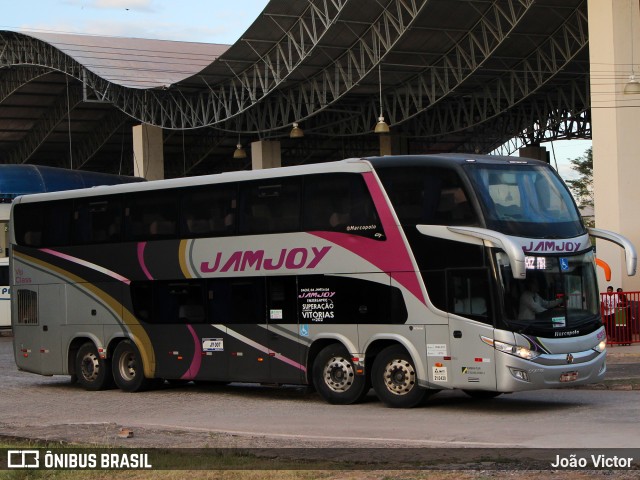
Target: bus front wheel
point(394, 379)
point(92, 372)
point(335, 379)
point(128, 371)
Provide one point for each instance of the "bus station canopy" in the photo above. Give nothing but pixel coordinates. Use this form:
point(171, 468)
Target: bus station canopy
point(447, 75)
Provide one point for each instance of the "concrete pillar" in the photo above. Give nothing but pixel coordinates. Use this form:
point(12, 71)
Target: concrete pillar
point(537, 153)
point(148, 152)
point(614, 33)
point(265, 154)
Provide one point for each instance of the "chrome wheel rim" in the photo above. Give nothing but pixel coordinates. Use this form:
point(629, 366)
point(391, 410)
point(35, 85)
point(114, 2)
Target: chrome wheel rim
point(127, 366)
point(399, 376)
point(90, 367)
point(339, 374)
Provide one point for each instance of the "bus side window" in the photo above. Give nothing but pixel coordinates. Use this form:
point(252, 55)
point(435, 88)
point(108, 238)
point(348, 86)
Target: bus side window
point(209, 211)
point(270, 207)
point(336, 202)
point(28, 224)
point(40, 224)
point(97, 220)
point(167, 302)
point(151, 215)
point(428, 195)
point(282, 299)
point(239, 300)
point(469, 294)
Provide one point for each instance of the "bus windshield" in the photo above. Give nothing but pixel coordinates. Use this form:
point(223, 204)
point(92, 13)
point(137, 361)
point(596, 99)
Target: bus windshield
point(517, 199)
point(559, 294)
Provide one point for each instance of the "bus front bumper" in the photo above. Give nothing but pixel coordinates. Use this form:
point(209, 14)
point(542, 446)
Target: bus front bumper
point(549, 371)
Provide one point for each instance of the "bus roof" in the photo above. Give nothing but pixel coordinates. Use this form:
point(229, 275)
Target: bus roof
point(350, 165)
point(442, 159)
point(356, 165)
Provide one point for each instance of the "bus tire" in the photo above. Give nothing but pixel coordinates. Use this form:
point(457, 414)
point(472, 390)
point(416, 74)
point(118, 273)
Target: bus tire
point(335, 379)
point(395, 380)
point(128, 370)
point(92, 372)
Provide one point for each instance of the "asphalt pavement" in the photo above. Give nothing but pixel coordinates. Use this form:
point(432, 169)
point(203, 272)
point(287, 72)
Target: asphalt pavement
point(623, 368)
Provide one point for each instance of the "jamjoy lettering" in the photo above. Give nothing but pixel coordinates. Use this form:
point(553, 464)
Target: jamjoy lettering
point(546, 246)
point(255, 260)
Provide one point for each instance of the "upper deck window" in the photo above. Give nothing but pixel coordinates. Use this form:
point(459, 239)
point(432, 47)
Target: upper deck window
point(43, 224)
point(519, 199)
point(340, 202)
point(151, 215)
point(428, 196)
point(270, 206)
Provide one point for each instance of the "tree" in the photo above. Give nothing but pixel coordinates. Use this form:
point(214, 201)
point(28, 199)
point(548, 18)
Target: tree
point(582, 187)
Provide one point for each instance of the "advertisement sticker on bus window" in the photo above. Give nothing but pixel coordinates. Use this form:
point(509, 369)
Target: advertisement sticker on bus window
point(316, 304)
point(212, 345)
point(440, 374)
point(275, 314)
point(558, 322)
point(436, 350)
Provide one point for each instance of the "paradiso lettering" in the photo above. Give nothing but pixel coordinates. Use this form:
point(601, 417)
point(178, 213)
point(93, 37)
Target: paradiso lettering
point(256, 260)
point(546, 246)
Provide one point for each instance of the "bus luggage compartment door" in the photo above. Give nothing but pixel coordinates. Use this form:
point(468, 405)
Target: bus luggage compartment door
point(39, 311)
point(472, 361)
point(52, 301)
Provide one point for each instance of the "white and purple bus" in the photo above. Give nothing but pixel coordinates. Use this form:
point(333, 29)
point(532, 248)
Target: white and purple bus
point(402, 274)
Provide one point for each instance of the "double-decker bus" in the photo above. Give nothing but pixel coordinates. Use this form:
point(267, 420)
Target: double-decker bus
point(16, 180)
point(399, 273)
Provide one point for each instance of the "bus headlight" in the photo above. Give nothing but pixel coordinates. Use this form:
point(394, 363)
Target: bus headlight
point(600, 347)
point(518, 351)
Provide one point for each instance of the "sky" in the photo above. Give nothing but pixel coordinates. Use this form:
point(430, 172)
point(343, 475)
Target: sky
point(207, 21)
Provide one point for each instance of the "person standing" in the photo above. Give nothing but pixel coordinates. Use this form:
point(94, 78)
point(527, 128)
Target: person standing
point(609, 302)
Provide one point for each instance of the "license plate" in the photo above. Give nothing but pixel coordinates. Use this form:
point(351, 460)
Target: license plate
point(569, 377)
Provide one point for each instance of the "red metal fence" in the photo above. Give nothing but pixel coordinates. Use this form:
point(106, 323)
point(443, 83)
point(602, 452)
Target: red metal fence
point(621, 317)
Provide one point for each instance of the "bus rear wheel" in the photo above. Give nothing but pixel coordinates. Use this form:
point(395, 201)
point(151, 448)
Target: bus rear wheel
point(394, 379)
point(92, 372)
point(335, 379)
point(128, 370)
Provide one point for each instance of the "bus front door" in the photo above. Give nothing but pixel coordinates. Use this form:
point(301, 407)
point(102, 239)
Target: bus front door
point(470, 319)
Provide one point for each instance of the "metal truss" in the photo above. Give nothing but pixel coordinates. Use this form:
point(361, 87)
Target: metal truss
point(525, 80)
point(12, 79)
point(435, 82)
point(440, 101)
point(332, 83)
point(216, 104)
point(171, 108)
point(82, 153)
point(462, 112)
point(175, 110)
point(559, 125)
point(55, 114)
point(197, 152)
point(540, 119)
